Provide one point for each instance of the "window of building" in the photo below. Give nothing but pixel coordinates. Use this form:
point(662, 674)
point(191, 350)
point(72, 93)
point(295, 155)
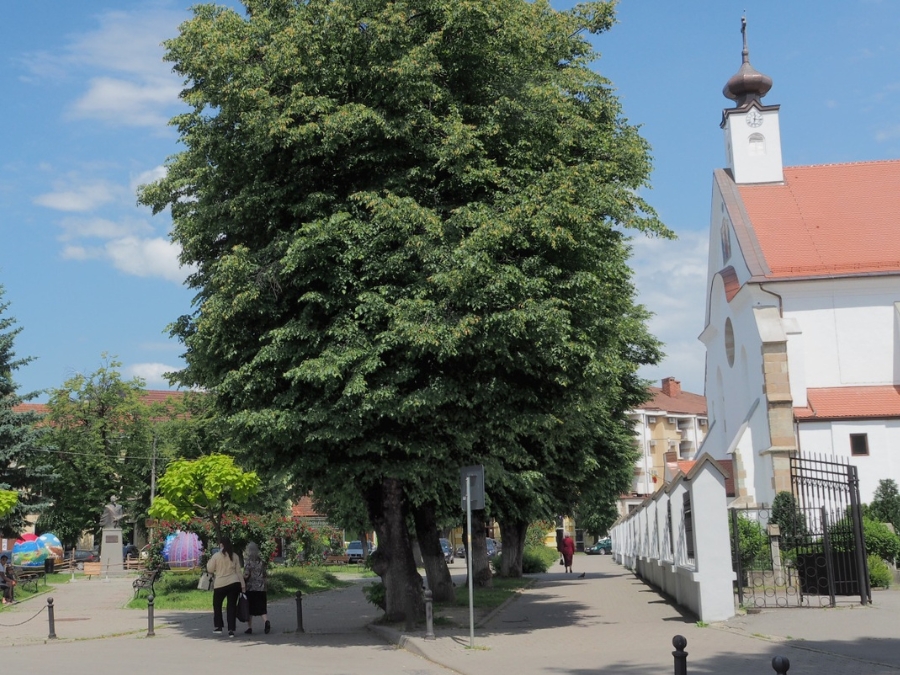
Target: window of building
point(725, 234)
point(729, 342)
point(688, 520)
point(859, 444)
point(757, 145)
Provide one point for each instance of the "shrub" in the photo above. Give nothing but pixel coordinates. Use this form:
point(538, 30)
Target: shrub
point(879, 573)
point(753, 544)
point(880, 541)
point(535, 560)
point(376, 594)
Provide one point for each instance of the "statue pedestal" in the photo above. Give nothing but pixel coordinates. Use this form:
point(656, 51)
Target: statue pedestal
point(111, 551)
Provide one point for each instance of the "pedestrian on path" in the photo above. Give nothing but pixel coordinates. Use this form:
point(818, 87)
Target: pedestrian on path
point(256, 576)
point(568, 550)
point(7, 579)
point(228, 585)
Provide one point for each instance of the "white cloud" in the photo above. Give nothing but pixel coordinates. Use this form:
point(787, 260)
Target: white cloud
point(101, 228)
point(127, 81)
point(888, 134)
point(85, 196)
point(156, 257)
point(151, 373)
point(146, 177)
point(670, 277)
point(81, 253)
point(122, 103)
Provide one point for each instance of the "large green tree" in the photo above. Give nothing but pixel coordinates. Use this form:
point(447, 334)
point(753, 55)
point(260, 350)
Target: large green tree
point(24, 468)
point(407, 221)
point(100, 438)
point(885, 504)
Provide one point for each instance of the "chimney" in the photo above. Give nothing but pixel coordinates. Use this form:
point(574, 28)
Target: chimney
point(671, 387)
point(671, 457)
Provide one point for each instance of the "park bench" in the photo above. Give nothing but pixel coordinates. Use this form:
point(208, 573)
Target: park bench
point(28, 577)
point(337, 559)
point(145, 581)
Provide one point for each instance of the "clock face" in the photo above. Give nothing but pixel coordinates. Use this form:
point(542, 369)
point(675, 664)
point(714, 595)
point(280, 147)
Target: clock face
point(754, 119)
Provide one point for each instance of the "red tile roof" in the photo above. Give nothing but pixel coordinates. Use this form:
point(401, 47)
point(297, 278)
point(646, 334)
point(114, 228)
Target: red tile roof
point(831, 403)
point(149, 397)
point(685, 465)
point(685, 403)
point(828, 219)
point(304, 509)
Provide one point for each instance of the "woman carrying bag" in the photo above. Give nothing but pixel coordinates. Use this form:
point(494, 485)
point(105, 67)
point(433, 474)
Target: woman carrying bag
point(228, 584)
point(257, 578)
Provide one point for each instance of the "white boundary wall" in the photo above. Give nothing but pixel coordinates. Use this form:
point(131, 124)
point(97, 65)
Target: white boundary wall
point(643, 542)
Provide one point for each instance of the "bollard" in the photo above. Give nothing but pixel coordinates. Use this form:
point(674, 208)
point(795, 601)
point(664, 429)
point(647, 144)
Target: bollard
point(781, 665)
point(679, 642)
point(429, 615)
point(52, 635)
point(150, 632)
point(300, 612)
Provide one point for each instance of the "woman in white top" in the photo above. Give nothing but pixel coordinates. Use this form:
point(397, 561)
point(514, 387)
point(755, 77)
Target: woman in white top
point(229, 584)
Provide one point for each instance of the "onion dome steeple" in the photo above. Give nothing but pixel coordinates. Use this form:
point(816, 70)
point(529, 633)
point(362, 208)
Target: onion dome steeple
point(747, 84)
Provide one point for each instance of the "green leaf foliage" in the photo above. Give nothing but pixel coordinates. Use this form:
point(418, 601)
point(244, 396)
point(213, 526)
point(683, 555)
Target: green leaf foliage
point(885, 504)
point(204, 487)
point(408, 224)
point(8, 501)
point(24, 468)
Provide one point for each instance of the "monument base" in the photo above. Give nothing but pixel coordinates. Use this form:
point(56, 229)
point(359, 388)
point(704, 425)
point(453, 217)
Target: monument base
point(111, 548)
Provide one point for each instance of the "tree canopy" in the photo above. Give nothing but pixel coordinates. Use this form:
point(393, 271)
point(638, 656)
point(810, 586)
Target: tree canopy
point(24, 468)
point(408, 224)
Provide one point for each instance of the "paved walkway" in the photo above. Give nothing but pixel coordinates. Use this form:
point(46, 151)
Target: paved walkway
point(608, 621)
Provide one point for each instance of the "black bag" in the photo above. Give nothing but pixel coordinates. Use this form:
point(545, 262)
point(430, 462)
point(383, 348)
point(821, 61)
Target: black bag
point(562, 562)
point(243, 608)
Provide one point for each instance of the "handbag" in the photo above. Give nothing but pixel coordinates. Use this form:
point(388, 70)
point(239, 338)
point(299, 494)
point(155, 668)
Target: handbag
point(562, 562)
point(206, 581)
point(243, 608)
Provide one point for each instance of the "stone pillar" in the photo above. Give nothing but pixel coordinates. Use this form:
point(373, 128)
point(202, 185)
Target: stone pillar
point(111, 551)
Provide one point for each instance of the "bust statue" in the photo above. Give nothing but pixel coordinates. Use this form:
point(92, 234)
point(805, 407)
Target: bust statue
point(112, 513)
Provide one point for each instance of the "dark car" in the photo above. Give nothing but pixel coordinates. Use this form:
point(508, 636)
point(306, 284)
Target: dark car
point(82, 556)
point(448, 551)
point(601, 547)
point(492, 547)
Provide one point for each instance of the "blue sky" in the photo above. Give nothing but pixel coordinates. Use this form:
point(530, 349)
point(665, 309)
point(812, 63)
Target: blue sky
point(86, 98)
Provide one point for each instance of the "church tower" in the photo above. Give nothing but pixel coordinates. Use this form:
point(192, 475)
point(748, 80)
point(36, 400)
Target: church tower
point(752, 133)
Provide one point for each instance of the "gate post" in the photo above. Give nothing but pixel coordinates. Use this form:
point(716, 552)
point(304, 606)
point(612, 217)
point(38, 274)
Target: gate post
point(829, 557)
point(865, 593)
point(736, 547)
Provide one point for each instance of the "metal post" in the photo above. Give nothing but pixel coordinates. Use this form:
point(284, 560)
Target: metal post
point(829, 557)
point(679, 642)
point(429, 615)
point(781, 665)
point(150, 632)
point(736, 547)
point(862, 565)
point(300, 612)
point(469, 562)
point(52, 635)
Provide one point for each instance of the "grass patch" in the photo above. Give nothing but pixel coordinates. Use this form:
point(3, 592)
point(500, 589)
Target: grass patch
point(179, 591)
point(22, 593)
point(489, 598)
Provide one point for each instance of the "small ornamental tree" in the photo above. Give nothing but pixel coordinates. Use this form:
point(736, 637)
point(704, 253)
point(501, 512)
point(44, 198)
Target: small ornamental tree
point(885, 504)
point(8, 501)
point(204, 488)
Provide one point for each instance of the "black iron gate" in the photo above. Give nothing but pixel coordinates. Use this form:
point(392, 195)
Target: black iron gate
point(807, 548)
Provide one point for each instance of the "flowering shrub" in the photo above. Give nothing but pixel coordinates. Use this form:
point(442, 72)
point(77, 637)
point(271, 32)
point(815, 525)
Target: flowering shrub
point(264, 529)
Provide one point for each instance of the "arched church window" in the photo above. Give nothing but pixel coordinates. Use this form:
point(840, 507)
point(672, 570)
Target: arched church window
point(725, 233)
point(757, 145)
point(729, 342)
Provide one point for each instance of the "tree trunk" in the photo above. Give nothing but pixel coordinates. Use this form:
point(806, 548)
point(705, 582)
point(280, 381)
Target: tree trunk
point(436, 571)
point(481, 564)
point(393, 561)
point(513, 534)
point(364, 538)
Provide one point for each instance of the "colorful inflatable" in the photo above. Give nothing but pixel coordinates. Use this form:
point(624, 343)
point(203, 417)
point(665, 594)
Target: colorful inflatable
point(182, 550)
point(32, 551)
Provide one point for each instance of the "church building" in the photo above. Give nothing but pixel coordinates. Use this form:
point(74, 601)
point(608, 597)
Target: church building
point(802, 327)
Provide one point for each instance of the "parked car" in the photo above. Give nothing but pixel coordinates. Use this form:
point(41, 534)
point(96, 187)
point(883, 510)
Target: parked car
point(492, 547)
point(448, 551)
point(461, 552)
point(601, 547)
point(355, 551)
point(82, 556)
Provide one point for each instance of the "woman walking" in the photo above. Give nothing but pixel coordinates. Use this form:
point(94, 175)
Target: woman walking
point(568, 550)
point(257, 578)
point(229, 584)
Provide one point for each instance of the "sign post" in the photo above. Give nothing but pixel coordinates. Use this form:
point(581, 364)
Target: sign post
point(472, 484)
